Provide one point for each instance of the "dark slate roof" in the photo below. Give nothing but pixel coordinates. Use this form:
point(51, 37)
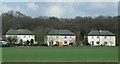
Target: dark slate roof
point(60, 32)
point(100, 33)
point(19, 32)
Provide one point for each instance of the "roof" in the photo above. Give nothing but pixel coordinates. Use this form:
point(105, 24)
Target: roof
point(60, 32)
point(19, 32)
point(100, 33)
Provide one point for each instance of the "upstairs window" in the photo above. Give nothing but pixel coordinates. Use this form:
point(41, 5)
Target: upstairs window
point(24, 36)
point(15, 36)
point(111, 42)
point(92, 36)
point(110, 36)
point(57, 42)
point(65, 37)
point(97, 36)
point(105, 37)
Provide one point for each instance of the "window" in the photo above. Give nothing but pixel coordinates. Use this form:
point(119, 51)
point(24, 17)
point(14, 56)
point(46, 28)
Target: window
point(15, 36)
point(24, 36)
point(105, 37)
point(110, 36)
point(70, 41)
point(97, 42)
point(65, 42)
point(92, 36)
point(65, 37)
point(97, 36)
point(57, 42)
point(105, 42)
point(56, 36)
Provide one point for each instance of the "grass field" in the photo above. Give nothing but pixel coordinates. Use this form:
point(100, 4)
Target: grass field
point(60, 54)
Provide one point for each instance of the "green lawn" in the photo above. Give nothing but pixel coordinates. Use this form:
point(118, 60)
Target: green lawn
point(60, 54)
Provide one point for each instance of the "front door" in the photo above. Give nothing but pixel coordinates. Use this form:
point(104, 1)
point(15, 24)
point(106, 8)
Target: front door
point(92, 42)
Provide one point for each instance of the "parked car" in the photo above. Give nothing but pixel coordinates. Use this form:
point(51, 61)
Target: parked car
point(4, 44)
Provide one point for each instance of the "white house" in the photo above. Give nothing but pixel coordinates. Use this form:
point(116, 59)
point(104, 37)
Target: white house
point(101, 37)
point(21, 34)
point(60, 36)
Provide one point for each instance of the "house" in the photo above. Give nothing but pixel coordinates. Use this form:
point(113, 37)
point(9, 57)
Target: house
point(21, 34)
point(60, 36)
point(101, 37)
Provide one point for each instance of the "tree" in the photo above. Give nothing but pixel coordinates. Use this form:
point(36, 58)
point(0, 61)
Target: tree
point(41, 25)
point(12, 40)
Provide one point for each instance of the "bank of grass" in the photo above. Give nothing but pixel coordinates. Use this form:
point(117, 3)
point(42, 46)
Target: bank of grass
point(60, 54)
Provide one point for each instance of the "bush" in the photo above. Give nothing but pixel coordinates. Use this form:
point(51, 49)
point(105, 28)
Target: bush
point(117, 44)
point(36, 44)
point(71, 44)
point(44, 44)
point(18, 44)
point(56, 45)
point(87, 44)
point(11, 45)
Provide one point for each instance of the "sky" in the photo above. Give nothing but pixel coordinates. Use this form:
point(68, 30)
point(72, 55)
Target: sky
point(60, 8)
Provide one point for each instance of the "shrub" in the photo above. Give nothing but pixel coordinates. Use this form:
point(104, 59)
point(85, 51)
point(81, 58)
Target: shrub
point(71, 44)
point(87, 44)
point(44, 44)
point(11, 45)
point(36, 44)
point(56, 45)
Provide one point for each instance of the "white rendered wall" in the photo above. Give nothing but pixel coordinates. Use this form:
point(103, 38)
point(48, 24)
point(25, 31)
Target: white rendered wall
point(55, 38)
point(101, 39)
point(23, 37)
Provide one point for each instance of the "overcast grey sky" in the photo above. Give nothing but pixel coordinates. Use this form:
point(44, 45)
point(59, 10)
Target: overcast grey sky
point(62, 9)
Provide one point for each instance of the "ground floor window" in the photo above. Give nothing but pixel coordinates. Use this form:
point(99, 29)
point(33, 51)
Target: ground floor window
point(98, 42)
point(65, 42)
point(105, 42)
point(111, 43)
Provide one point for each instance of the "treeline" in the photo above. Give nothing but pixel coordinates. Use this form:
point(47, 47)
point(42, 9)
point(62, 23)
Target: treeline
point(42, 24)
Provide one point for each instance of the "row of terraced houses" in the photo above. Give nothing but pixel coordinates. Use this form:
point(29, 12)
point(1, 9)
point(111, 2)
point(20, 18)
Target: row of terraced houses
point(65, 37)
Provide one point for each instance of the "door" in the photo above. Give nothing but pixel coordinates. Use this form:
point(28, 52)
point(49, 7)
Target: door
point(92, 42)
